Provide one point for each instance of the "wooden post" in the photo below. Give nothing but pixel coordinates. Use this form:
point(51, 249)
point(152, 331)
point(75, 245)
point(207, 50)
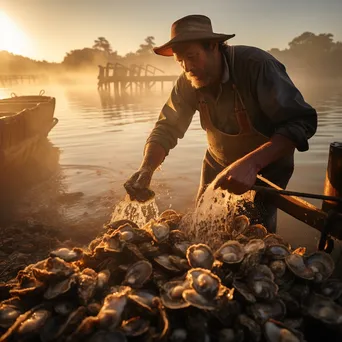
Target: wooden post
point(333, 177)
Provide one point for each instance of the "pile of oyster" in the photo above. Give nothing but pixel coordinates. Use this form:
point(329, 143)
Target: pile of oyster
point(152, 284)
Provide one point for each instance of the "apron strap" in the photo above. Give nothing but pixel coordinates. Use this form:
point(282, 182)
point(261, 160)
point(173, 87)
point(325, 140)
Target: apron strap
point(239, 106)
point(203, 110)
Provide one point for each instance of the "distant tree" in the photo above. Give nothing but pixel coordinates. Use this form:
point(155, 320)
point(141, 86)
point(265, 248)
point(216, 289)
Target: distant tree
point(101, 43)
point(79, 57)
point(147, 47)
point(323, 41)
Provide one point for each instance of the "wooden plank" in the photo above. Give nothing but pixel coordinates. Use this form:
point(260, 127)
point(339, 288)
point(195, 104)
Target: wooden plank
point(304, 211)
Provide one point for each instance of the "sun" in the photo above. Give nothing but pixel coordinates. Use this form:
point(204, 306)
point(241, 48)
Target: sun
point(12, 39)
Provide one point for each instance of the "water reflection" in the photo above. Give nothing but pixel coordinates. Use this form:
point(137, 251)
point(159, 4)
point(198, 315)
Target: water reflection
point(41, 167)
point(101, 139)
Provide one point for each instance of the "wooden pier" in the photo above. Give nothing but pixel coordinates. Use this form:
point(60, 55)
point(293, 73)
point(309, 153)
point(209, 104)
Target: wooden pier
point(132, 80)
point(8, 80)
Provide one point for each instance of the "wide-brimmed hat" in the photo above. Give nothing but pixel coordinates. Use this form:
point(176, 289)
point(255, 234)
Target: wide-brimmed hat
point(190, 28)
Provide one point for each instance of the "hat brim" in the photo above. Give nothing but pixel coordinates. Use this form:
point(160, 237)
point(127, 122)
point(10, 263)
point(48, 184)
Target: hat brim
point(166, 49)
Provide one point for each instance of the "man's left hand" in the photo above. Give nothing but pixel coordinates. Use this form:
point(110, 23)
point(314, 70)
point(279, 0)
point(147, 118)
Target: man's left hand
point(238, 177)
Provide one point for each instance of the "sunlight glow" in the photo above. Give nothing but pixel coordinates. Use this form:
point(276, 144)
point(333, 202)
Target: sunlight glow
point(12, 39)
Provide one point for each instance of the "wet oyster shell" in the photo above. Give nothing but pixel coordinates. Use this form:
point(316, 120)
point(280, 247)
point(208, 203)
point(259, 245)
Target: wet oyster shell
point(204, 282)
point(324, 309)
point(8, 315)
point(138, 274)
point(231, 252)
point(200, 256)
point(135, 326)
point(254, 246)
point(68, 255)
point(296, 264)
point(87, 282)
point(195, 299)
point(172, 294)
point(321, 264)
point(276, 331)
point(263, 311)
point(255, 231)
point(53, 269)
point(159, 231)
point(61, 287)
point(240, 225)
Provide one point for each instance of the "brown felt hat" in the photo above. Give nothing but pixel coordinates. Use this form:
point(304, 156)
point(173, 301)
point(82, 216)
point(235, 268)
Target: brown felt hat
point(190, 28)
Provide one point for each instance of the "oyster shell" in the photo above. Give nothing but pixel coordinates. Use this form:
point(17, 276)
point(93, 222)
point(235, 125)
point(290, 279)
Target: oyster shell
point(127, 233)
point(231, 252)
point(63, 286)
point(321, 264)
point(278, 267)
point(165, 262)
point(200, 256)
point(277, 251)
point(181, 263)
point(244, 291)
point(195, 299)
point(68, 255)
point(135, 326)
point(255, 246)
point(332, 288)
point(158, 230)
point(324, 309)
point(240, 225)
point(102, 279)
point(87, 282)
point(275, 239)
point(142, 298)
point(34, 322)
point(170, 217)
point(172, 294)
point(275, 331)
point(53, 269)
point(251, 329)
point(28, 285)
point(8, 315)
point(263, 311)
point(138, 274)
point(204, 282)
point(255, 231)
point(295, 263)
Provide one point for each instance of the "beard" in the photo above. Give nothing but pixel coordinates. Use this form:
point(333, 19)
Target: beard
point(197, 81)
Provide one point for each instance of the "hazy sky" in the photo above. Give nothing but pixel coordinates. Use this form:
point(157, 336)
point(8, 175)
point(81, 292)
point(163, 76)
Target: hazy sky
point(47, 29)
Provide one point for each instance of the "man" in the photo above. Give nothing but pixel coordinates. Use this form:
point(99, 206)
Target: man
point(253, 114)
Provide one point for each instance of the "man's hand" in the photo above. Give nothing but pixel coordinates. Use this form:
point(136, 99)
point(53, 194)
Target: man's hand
point(137, 186)
point(238, 177)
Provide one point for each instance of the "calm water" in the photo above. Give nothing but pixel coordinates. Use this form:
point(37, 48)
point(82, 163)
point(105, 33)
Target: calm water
point(100, 145)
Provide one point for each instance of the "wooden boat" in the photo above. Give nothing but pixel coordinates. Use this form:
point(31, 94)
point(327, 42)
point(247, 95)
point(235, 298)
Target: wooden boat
point(24, 122)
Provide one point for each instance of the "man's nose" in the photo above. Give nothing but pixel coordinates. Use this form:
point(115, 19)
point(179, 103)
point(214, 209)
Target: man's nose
point(187, 66)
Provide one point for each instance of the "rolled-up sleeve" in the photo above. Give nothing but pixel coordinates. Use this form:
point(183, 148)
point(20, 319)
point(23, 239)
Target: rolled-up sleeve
point(283, 103)
point(175, 116)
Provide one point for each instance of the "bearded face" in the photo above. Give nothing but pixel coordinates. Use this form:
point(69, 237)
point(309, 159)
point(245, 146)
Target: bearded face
point(199, 64)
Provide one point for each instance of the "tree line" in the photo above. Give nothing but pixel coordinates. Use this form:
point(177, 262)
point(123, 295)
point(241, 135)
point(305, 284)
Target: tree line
point(308, 54)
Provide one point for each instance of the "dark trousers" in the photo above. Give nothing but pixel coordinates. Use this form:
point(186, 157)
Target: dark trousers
point(262, 210)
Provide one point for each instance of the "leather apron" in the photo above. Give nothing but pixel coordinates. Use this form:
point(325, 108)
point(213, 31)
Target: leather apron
point(224, 149)
point(227, 148)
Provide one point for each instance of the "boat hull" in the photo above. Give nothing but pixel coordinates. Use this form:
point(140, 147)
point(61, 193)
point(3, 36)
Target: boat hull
point(24, 122)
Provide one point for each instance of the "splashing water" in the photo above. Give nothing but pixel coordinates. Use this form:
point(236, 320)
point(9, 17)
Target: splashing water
point(212, 219)
point(138, 212)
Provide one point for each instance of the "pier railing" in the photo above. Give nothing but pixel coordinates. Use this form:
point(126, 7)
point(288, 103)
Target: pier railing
point(133, 79)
